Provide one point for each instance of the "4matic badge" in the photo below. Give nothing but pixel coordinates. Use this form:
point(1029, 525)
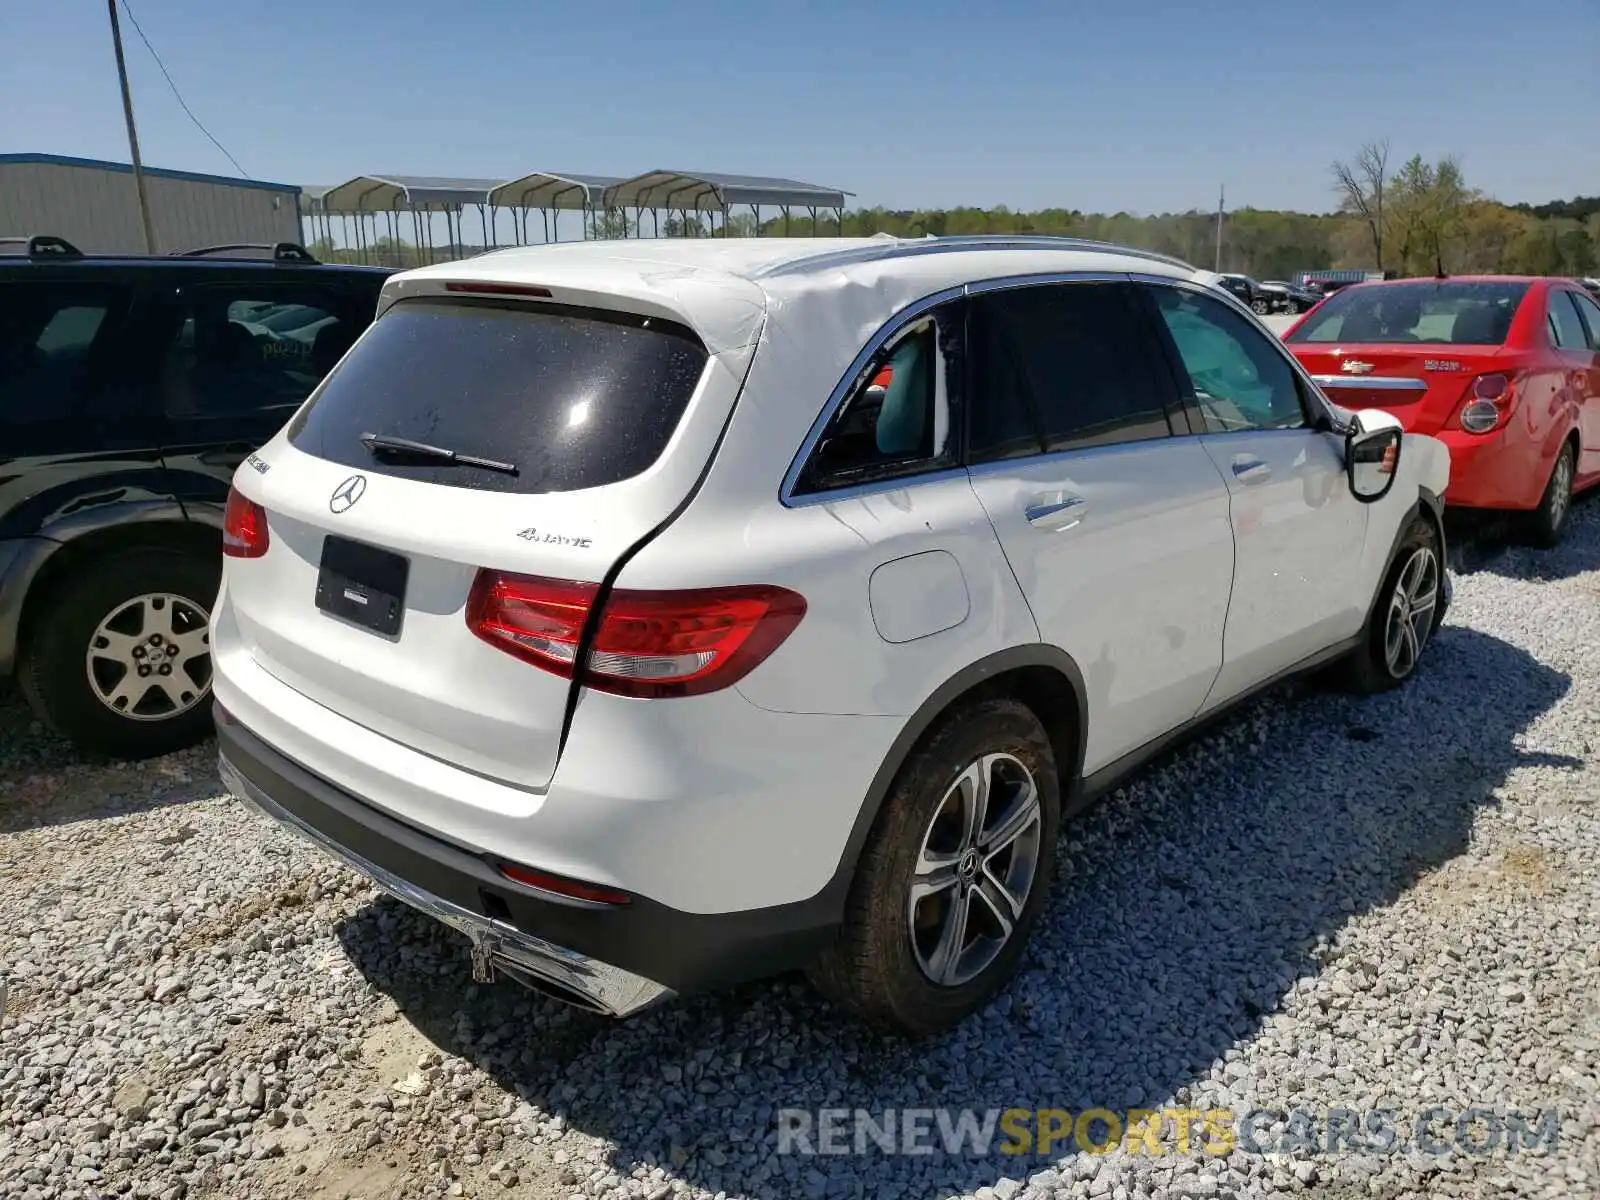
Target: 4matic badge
point(554, 539)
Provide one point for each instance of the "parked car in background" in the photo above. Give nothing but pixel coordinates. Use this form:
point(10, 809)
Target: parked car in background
point(1591, 285)
point(1284, 297)
point(1248, 291)
point(130, 390)
point(552, 661)
point(1502, 369)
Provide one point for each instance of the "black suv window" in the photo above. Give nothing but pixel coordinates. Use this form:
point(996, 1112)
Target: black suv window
point(1240, 380)
point(1062, 367)
point(49, 336)
point(889, 424)
point(251, 346)
point(574, 398)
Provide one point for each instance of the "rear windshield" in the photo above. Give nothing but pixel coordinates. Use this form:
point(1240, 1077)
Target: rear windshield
point(573, 398)
point(1437, 311)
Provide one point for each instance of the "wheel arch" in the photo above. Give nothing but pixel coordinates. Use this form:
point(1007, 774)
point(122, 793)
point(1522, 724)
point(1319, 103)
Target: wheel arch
point(1430, 507)
point(74, 547)
point(1043, 677)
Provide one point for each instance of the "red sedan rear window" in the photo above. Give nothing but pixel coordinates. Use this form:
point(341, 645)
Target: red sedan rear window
point(1435, 311)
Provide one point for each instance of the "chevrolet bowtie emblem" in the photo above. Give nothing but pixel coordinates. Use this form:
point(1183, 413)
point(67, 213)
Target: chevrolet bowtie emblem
point(1356, 368)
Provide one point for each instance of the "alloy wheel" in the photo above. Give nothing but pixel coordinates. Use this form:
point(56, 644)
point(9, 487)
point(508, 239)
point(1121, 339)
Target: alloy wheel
point(1410, 620)
point(1561, 489)
point(975, 869)
point(150, 659)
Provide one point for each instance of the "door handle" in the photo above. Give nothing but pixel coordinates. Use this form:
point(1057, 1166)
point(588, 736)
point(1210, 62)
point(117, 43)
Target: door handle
point(1247, 468)
point(1055, 511)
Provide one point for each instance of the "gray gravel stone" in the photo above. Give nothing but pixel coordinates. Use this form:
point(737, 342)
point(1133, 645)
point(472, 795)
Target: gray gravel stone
point(1325, 903)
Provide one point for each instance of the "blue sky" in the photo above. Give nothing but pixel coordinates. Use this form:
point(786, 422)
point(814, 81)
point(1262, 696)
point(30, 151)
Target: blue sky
point(1097, 105)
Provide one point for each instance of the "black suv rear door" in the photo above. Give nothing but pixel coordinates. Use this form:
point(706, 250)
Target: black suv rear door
point(78, 426)
point(242, 351)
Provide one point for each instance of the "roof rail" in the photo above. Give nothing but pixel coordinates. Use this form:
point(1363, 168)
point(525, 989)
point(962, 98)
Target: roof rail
point(281, 251)
point(44, 245)
point(903, 247)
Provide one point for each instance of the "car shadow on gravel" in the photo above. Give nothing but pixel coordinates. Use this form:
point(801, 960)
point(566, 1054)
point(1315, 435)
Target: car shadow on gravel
point(1481, 542)
point(46, 780)
point(1186, 908)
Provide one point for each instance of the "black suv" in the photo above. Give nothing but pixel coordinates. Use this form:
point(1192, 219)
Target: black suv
point(130, 390)
point(1248, 291)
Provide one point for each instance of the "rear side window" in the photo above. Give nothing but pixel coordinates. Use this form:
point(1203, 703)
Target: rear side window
point(49, 336)
point(243, 348)
point(1440, 312)
point(1566, 328)
point(894, 422)
point(1075, 359)
point(572, 398)
point(1590, 312)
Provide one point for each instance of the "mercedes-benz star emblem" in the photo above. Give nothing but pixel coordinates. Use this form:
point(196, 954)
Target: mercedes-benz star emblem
point(347, 493)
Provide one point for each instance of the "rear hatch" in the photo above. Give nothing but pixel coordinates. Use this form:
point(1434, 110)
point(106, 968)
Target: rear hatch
point(581, 430)
point(1414, 347)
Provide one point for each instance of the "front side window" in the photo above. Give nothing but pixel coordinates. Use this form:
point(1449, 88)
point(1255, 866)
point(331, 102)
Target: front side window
point(247, 348)
point(48, 335)
point(894, 422)
point(1566, 327)
point(1239, 379)
point(1062, 367)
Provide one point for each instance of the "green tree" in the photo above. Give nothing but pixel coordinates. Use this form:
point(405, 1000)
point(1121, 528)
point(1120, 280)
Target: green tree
point(610, 223)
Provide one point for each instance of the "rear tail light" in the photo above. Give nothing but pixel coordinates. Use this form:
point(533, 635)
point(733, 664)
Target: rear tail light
point(1488, 402)
point(679, 643)
point(244, 527)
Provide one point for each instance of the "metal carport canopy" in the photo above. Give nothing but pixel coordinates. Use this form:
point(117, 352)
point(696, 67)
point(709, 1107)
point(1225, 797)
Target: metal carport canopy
point(548, 189)
point(706, 192)
point(398, 193)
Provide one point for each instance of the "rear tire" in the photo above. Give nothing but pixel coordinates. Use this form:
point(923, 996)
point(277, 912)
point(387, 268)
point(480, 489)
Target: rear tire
point(119, 661)
point(1260, 307)
point(939, 914)
point(1407, 610)
point(1544, 526)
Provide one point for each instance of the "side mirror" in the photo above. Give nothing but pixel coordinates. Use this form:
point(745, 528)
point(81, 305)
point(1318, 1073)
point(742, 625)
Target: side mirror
point(1372, 454)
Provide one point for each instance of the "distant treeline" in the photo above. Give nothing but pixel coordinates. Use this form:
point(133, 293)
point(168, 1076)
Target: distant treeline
point(1420, 219)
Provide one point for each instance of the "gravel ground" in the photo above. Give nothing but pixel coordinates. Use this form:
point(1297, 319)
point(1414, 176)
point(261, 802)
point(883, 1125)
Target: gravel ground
point(1326, 903)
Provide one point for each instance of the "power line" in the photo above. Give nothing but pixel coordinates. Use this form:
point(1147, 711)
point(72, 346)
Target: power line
point(134, 21)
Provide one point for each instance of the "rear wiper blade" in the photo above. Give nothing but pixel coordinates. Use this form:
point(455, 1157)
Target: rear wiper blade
point(387, 443)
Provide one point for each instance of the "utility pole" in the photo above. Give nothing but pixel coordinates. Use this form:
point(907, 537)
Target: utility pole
point(133, 133)
point(1221, 196)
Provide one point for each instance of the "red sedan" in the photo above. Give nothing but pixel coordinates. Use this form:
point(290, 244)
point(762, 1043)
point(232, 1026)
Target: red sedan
point(1502, 369)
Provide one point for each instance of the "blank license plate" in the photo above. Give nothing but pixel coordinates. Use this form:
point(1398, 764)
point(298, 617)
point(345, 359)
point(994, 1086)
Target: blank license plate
point(363, 584)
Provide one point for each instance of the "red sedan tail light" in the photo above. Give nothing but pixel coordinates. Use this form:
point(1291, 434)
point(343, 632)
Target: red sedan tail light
point(646, 643)
point(1487, 403)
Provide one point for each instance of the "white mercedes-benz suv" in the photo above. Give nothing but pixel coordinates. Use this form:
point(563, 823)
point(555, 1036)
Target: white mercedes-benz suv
point(663, 614)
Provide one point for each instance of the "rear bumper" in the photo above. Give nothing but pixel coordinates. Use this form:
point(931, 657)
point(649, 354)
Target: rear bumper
point(615, 959)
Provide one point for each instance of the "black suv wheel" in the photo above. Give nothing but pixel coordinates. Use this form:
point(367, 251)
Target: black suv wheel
point(121, 663)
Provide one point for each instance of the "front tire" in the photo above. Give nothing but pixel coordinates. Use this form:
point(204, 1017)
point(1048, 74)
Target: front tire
point(119, 662)
point(1544, 526)
point(951, 882)
point(1408, 609)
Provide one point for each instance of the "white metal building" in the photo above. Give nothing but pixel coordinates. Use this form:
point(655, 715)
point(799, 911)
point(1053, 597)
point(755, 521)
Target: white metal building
point(94, 206)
